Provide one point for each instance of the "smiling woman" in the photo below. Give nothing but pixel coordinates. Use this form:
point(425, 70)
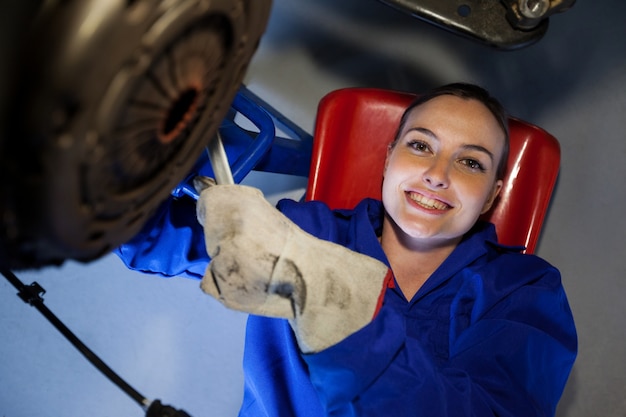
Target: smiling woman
point(407, 304)
point(441, 174)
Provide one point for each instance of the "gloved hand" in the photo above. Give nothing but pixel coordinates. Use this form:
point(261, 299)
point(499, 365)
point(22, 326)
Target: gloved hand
point(264, 264)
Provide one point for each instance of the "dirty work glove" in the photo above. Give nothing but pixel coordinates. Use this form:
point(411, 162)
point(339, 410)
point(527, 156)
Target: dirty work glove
point(263, 264)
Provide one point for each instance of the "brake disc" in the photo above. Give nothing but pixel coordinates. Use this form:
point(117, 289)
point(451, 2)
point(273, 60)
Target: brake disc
point(110, 104)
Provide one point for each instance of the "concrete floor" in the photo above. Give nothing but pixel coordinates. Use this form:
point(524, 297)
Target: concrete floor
point(171, 342)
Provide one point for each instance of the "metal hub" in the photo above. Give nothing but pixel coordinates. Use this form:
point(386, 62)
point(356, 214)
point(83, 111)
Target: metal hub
point(109, 106)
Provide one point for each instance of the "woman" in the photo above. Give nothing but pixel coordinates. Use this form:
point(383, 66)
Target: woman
point(415, 309)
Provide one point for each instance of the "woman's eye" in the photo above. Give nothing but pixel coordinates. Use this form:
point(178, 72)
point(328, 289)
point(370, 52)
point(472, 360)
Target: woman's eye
point(419, 146)
point(473, 164)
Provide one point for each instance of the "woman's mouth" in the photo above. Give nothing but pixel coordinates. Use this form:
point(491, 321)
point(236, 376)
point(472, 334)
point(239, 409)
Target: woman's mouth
point(428, 203)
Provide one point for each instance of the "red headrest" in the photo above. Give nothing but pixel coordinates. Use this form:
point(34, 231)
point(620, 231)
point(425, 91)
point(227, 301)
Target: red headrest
point(354, 127)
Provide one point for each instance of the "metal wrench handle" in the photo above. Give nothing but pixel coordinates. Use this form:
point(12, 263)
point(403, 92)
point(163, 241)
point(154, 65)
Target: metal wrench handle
point(219, 161)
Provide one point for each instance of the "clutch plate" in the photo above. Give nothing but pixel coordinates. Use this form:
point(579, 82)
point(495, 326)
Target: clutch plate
point(107, 105)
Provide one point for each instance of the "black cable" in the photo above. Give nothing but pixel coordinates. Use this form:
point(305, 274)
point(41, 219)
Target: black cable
point(31, 294)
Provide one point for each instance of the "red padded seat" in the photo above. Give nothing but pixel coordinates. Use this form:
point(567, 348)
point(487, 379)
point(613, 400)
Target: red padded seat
point(355, 125)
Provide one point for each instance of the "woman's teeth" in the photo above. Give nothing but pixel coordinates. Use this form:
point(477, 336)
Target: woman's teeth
point(428, 203)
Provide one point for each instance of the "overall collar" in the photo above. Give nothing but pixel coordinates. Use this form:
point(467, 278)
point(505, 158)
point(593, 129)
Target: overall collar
point(479, 242)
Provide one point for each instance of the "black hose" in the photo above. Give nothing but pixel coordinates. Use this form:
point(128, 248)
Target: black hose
point(31, 294)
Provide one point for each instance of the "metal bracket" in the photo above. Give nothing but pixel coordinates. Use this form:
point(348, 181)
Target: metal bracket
point(505, 24)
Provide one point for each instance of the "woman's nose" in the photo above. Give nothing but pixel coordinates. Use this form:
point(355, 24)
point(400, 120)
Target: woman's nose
point(436, 176)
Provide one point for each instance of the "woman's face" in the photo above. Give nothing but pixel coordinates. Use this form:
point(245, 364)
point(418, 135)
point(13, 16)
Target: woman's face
point(441, 174)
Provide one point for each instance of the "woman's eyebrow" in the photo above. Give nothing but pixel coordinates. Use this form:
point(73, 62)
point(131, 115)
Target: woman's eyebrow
point(425, 131)
point(479, 148)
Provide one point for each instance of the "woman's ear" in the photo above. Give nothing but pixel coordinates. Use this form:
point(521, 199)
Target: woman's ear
point(389, 149)
point(495, 191)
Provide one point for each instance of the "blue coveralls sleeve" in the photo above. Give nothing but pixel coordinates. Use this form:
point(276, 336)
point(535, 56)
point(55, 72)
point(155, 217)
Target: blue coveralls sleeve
point(509, 350)
point(170, 244)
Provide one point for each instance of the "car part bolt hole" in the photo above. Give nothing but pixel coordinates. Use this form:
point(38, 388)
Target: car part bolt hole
point(464, 10)
point(179, 114)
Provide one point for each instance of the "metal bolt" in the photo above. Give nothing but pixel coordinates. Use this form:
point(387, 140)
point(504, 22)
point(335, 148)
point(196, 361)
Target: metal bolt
point(533, 9)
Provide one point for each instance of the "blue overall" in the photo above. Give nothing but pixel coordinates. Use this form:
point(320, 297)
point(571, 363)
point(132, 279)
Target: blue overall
point(490, 333)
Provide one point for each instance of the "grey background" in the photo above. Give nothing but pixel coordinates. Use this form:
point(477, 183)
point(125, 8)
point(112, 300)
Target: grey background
point(171, 342)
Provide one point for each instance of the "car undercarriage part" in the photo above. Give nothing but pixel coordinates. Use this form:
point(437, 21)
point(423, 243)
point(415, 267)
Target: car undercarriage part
point(108, 104)
point(504, 24)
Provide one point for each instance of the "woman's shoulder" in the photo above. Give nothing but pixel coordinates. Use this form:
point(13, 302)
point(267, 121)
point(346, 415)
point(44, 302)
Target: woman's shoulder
point(485, 233)
point(516, 257)
point(500, 263)
point(509, 266)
